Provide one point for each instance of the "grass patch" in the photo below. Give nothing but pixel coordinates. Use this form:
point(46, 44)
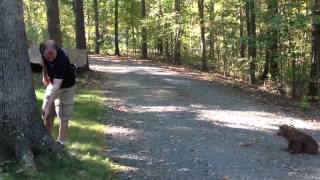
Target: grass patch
point(86, 138)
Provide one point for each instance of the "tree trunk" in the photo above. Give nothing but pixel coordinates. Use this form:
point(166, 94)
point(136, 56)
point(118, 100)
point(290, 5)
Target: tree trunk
point(203, 38)
point(127, 41)
point(160, 38)
point(178, 33)
point(160, 46)
point(132, 30)
point(266, 68)
point(314, 86)
point(80, 28)
point(20, 122)
point(53, 20)
point(252, 47)
point(133, 38)
point(79, 25)
point(271, 63)
point(242, 41)
point(225, 50)
point(144, 48)
point(96, 21)
point(211, 10)
point(167, 49)
point(116, 28)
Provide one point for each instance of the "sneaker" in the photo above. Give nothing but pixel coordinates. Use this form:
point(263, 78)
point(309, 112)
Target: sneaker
point(60, 143)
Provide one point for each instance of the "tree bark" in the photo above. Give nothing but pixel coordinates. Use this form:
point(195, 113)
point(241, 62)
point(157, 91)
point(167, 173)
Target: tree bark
point(252, 47)
point(314, 86)
point(53, 20)
point(116, 28)
point(203, 38)
point(178, 33)
point(79, 25)
point(167, 49)
point(212, 31)
point(144, 48)
point(96, 24)
point(20, 122)
point(80, 28)
point(242, 41)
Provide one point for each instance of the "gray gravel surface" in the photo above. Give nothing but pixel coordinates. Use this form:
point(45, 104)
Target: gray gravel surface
point(165, 126)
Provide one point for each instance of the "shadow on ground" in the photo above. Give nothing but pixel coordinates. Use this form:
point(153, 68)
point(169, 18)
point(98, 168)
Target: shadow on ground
point(164, 126)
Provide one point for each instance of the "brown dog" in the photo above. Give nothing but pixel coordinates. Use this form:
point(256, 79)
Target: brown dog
point(299, 142)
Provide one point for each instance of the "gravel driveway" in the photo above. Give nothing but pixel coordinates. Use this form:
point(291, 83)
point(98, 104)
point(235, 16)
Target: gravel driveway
point(165, 126)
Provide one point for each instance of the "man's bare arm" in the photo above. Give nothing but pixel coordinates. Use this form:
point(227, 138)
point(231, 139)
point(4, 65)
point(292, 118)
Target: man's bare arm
point(45, 77)
point(55, 89)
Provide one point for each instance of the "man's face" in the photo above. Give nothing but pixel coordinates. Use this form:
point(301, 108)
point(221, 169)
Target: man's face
point(50, 51)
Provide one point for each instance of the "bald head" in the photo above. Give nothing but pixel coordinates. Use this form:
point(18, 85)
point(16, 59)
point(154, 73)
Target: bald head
point(49, 49)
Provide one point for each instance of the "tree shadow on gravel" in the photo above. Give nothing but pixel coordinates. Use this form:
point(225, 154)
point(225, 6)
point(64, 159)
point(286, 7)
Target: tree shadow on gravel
point(161, 128)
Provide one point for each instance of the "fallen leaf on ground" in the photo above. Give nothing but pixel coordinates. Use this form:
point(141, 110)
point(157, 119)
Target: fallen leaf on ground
point(143, 152)
point(184, 170)
point(195, 150)
point(245, 144)
point(292, 173)
point(167, 164)
point(161, 160)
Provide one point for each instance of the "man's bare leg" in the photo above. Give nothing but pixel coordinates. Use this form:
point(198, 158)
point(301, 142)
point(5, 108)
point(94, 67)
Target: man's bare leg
point(49, 123)
point(63, 130)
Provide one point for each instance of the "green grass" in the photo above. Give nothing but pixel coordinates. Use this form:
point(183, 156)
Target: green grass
point(86, 139)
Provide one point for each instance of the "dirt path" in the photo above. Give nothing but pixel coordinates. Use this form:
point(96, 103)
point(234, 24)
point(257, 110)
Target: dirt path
point(164, 126)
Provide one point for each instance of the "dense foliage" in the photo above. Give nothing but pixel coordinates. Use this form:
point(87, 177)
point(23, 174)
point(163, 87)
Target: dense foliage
point(278, 31)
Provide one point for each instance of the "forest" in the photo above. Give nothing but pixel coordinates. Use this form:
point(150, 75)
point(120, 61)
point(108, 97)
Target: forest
point(186, 89)
point(273, 43)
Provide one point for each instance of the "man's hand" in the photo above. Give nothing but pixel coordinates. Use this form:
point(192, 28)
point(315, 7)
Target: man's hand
point(45, 112)
point(54, 92)
point(46, 81)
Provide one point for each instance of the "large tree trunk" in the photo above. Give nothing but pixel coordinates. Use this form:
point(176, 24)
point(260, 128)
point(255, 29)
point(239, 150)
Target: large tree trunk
point(178, 33)
point(96, 21)
point(252, 47)
point(314, 85)
point(116, 28)
point(144, 47)
point(79, 27)
point(53, 19)
point(20, 122)
point(203, 38)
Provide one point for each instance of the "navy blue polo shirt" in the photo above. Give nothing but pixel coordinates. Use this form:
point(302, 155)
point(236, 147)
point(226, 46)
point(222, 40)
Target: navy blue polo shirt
point(60, 68)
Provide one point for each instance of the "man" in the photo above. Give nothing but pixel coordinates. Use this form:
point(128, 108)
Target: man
point(59, 79)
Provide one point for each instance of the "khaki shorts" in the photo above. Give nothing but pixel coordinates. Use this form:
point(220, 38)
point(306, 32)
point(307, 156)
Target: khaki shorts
point(63, 103)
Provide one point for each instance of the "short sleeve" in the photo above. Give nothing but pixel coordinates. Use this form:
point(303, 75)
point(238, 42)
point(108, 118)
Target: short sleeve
point(61, 67)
